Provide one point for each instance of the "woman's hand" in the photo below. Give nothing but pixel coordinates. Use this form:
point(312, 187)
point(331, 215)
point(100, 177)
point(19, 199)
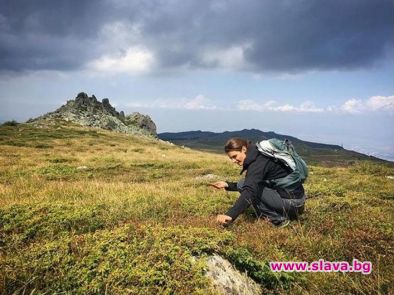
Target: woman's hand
point(219, 184)
point(224, 219)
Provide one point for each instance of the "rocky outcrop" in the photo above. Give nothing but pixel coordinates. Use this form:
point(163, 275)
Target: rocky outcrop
point(88, 111)
point(142, 121)
point(229, 281)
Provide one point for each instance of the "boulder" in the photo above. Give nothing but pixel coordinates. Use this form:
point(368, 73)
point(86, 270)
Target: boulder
point(227, 280)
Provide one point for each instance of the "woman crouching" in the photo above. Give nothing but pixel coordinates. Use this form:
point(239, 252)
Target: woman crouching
point(277, 205)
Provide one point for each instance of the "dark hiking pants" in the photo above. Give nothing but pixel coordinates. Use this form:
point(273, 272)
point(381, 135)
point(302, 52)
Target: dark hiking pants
point(276, 209)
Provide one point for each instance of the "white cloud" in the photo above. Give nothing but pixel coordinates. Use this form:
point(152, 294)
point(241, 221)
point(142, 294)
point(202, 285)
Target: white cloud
point(381, 103)
point(353, 106)
point(250, 105)
point(374, 103)
point(134, 60)
point(200, 102)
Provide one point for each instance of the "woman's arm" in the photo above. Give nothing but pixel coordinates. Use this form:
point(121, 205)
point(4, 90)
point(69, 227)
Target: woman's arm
point(228, 185)
point(231, 186)
point(235, 186)
point(252, 187)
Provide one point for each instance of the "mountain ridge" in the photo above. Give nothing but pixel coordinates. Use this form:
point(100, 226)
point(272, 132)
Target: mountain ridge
point(312, 151)
point(266, 135)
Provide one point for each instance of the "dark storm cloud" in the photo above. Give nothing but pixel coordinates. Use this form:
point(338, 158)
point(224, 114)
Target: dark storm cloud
point(325, 35)
point(276, 35)
point(47, 34)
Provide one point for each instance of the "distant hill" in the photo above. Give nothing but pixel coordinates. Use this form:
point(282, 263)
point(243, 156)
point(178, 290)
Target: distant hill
point(313, 152)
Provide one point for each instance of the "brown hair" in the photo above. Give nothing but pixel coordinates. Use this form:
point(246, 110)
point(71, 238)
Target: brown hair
point(235, 144)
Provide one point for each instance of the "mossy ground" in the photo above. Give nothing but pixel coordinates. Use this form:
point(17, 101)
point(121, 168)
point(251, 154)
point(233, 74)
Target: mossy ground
point(92, 212)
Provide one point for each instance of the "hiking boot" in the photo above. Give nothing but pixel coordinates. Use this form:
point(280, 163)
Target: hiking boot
point(281, 224)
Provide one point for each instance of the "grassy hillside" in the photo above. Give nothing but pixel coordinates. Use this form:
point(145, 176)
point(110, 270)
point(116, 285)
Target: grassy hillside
point(92, 212)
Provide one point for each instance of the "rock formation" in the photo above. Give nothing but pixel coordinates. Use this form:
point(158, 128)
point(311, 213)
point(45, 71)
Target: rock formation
point(88, 111)
point(229, 281)
point(143, 121)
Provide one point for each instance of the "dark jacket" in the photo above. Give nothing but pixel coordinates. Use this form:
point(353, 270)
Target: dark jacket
point(259, 169)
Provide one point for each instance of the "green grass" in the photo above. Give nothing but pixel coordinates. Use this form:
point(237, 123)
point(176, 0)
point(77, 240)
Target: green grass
point(86, 211)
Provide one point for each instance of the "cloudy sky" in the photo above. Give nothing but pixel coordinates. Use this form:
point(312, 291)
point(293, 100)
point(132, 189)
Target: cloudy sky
point(319, 70)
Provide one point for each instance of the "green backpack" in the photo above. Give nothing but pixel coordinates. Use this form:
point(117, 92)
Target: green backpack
point(283, 151)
